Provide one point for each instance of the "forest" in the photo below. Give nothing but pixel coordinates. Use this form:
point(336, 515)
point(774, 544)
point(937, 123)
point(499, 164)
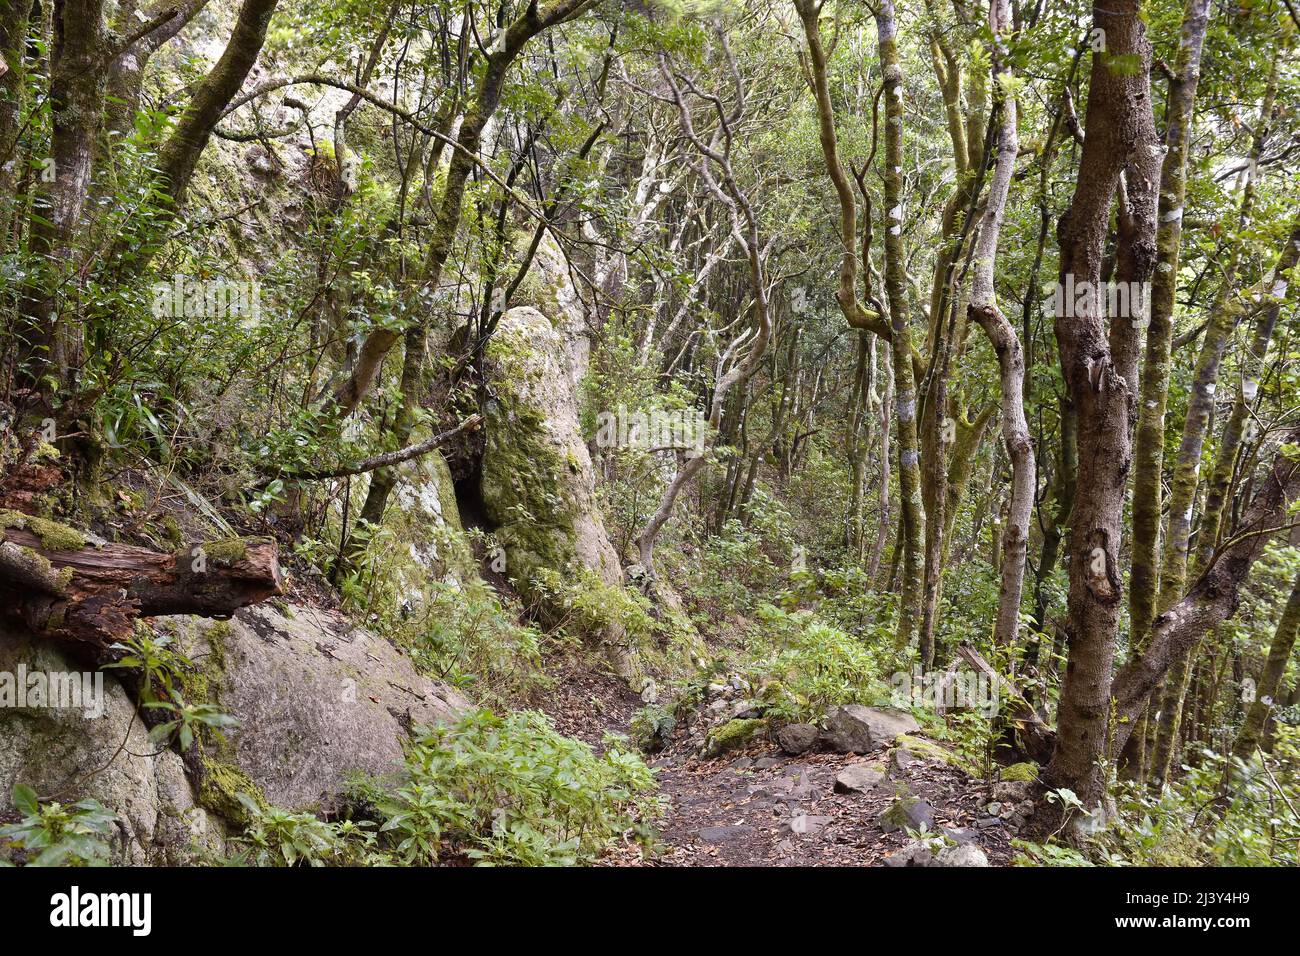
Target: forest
point(649, 433)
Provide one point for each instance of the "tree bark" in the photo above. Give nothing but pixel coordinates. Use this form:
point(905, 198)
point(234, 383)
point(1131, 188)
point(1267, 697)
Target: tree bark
point(909, 463)
point(1120, 138)
point(91, 595)
point(1002, 335)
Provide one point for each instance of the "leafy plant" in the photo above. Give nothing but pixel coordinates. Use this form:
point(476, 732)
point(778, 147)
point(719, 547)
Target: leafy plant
point(52, 834)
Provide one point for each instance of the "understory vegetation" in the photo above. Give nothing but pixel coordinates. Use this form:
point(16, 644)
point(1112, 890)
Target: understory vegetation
point(818, 352)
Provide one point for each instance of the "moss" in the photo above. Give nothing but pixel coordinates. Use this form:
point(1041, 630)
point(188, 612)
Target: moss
point(228, 551)
point(734, 733)
point(219, 787)
point(932, 751)
point(897, 816)
point(1021, 772)
point(54, 536)
point(172, 531)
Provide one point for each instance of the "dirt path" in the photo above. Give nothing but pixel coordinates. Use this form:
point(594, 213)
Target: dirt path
point(761, 807)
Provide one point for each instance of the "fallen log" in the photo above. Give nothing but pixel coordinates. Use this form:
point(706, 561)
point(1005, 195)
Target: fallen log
point(61, 585)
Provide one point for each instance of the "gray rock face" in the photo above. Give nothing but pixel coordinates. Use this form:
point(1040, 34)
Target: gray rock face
point(853, 728)
point(795, 739)
point(67, 756)
point(964, 854)
point(317, 700)
point(858, 778)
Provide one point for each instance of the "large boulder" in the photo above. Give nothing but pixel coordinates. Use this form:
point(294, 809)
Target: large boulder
point(426, 523)
point(317, 699)
point(102, 753)
point(537, 484)
point(853, 728)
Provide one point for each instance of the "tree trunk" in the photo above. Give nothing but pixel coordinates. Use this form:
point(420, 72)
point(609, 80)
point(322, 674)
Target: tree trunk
point(909, 464)
point(1120, 137)
point(1002, 335)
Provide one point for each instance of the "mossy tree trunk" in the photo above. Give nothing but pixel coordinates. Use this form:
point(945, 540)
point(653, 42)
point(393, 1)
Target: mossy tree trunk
point(1120, 138)
point(909, 464)
point(1224, 314)
point(13, 37)
point(50, 331)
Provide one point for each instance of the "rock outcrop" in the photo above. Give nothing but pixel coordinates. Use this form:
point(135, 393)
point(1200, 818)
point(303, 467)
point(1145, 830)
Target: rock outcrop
point(537, 484)
point(317, 701)
point(72, 754)
point(853, 728)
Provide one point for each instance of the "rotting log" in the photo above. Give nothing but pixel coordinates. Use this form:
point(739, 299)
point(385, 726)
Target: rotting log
point(71, 589)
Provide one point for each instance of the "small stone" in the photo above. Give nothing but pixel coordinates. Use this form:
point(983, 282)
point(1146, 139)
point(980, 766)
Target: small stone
point(994, 809)
point(766, 763)
point(965, 854)
point(915, 853)
point(901, 759)
point(1011, 791)
point(907, 812)
point(724, 834)
point(858, 778)
point(803, 789)
point(785, 847)
point(960, 835)
point(744, 763)
point(807, 823)
point(795, 739)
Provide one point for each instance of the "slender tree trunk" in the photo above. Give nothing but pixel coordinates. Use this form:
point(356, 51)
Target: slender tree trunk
point(1149, 443)
point(909, 464)
point(1002, 334)
point(1187, 466)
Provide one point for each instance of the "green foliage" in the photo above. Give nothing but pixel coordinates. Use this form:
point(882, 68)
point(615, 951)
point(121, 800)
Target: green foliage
point(652, 728)
point(512, 790)
point(488, 789)
point(806, 666)
point(165, 678)
point(52, 834)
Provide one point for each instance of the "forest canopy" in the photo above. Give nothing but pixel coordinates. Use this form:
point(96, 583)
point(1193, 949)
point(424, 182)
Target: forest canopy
point(796, 354)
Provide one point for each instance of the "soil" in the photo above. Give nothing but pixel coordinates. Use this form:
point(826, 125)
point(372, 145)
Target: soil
point(744, 809)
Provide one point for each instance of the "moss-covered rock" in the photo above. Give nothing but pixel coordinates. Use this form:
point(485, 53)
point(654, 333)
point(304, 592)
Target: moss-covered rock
point(537, 483)
point(220, 785)
point(734, 734)
point(1026, 772)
